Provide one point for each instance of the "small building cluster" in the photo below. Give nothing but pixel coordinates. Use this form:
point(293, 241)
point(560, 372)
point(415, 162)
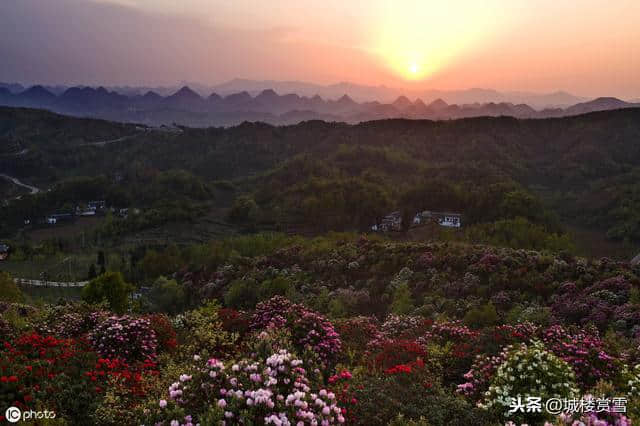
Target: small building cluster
point(91, 208)
point(448, 219)
point(393, 221)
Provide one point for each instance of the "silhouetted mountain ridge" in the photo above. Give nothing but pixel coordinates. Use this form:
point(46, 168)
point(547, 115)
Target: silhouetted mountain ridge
point(188, 107)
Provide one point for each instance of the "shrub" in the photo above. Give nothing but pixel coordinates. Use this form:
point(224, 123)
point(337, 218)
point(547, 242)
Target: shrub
point(241, 294)
point(110, 287)
point(63, 375)
point(70, 320)
point(202, 333)
point(164, 332)
point(402, 302)
point(167, 296)
point(529, 371)
point(125, 337)
point(404, 326)
point(356, 333)
point(9, 291)
point(412, 392)
point(482, 316)
point(273, 391)
point(309, 330)
point(584, 351)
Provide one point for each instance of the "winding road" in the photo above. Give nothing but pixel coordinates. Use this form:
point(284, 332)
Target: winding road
point(103, 143)
point(17, 181)
point(42, 283)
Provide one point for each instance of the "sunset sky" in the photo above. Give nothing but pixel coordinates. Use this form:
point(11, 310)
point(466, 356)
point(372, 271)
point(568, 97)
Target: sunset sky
point(587, 47)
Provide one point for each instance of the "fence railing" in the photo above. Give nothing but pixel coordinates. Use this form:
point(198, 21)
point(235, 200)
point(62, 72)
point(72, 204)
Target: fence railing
point(44, 283)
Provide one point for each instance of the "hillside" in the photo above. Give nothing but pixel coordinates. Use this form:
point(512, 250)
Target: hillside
point(579, 170)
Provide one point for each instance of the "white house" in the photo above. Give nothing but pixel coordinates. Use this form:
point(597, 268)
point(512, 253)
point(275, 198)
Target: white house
point(450, 220)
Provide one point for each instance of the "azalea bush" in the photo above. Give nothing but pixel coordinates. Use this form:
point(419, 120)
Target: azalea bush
point(309, 329)
point(584, 351)
point(165, 334)
point(201, 332)
point(125, 337)
point(273, 391)
point(410, 389)
point(64, 375)
point(70, 319)
point(356, 334)
point(529, 371)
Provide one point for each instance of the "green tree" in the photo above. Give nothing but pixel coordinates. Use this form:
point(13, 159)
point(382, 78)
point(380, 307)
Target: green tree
point(244, 210)
point(241, 294)
point(9, 291)
point(278, 286)
point(482, 316)
point(167, 296)
point(109, 287)
point(402, 302)
point(92, 272)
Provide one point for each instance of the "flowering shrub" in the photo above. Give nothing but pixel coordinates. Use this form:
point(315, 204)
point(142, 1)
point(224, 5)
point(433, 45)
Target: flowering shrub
point(373, 399)
point(461, 344)
point(202, 333)
point(356, 333)
point(70, 320)
point(584, 352)
point(164, 332)
point(481, 373)
point(125, 337)
point(492, 340)
point(64, 375)
point(275, 391)
point(309, 330)
point(529, 371)
point(30, 364)
point(599, 416)
point(123, 388)
point(632, 380)
point(596, 304)
point(404, 326)
point(389, 353)
point(234, 321)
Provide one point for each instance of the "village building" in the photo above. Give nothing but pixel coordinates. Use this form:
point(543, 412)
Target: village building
point(391, 222)
point(97, 205)
point(56, 218)
point(4, 251)
point(447, 219)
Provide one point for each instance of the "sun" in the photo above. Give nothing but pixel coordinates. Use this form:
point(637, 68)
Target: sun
point(414, 68)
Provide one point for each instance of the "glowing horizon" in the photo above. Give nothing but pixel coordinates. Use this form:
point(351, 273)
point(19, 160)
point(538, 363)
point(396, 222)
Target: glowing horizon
point(589, 49)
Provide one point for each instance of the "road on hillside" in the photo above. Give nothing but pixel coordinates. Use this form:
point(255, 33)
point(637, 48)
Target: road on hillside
point(103, 143)
point(42, 283)
point(16, 154)
point(17, 181)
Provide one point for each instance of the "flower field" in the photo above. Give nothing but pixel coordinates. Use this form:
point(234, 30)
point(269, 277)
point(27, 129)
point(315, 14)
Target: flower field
point(344, 331)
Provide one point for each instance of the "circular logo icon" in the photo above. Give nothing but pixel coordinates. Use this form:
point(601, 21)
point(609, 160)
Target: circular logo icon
point(13, 414)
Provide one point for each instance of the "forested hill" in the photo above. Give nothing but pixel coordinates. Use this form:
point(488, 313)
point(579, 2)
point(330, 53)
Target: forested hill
point(338, 176)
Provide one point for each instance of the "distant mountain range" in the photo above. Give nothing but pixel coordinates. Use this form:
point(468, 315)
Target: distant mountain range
point(225, 108)
point(361, 93)
point(358, 92)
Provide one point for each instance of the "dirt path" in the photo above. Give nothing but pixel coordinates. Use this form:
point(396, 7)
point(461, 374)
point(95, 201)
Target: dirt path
point(17, 181)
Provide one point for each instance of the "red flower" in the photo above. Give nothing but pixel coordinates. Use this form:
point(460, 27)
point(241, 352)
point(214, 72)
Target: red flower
point(400, 368)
